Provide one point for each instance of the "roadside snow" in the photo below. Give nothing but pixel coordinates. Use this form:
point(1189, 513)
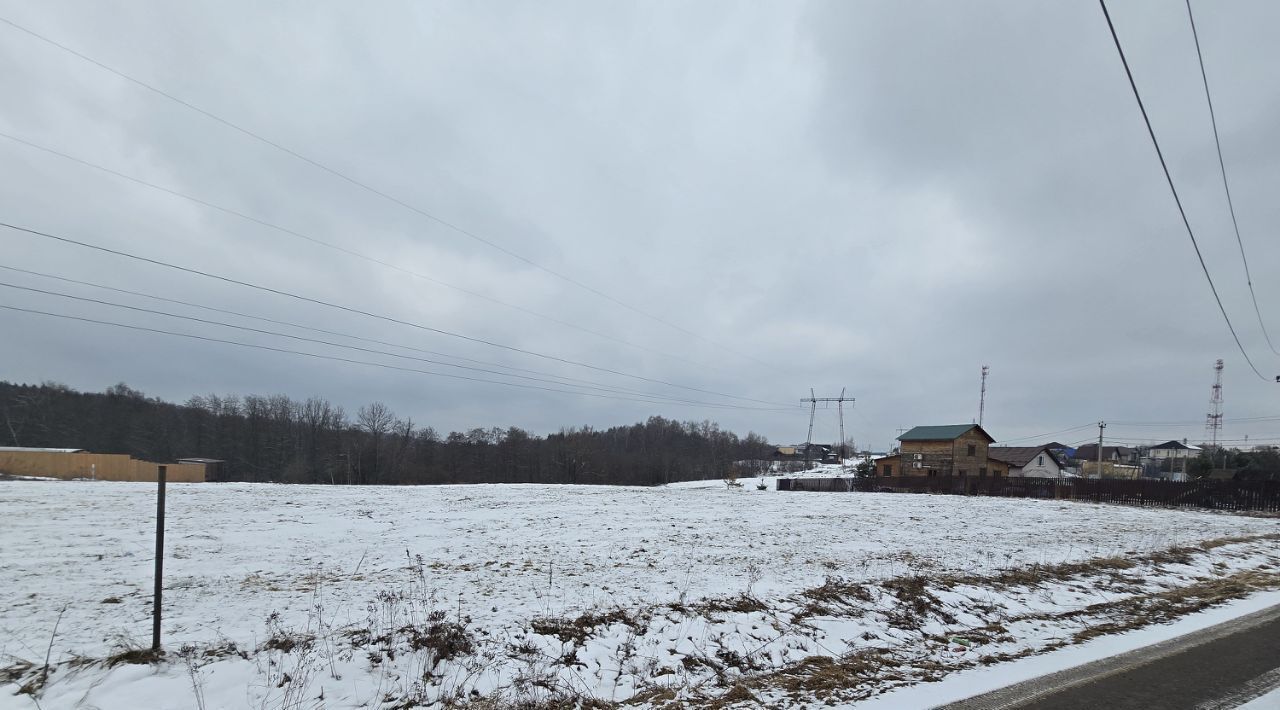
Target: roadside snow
point(966, 684)
point(1270, 701)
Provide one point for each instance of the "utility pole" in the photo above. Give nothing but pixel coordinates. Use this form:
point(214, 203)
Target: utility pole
point(1101, 426)
point(812, 400)
point(982, 398)
point(808, 439)
point(840, 446)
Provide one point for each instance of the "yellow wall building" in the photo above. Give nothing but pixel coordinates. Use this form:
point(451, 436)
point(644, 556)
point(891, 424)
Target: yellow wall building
point(74, 463)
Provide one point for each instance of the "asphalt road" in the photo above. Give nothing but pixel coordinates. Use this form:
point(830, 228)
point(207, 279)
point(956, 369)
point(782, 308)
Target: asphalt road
point(1216, 668)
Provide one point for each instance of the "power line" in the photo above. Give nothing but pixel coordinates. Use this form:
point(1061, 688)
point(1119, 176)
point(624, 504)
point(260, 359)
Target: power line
point(1177, 200)
point(1049, 433)
point(300, 326)
point(1226, 186)
point(1261, 418)
point(317, 355)
point(375, 191)
point(338, 248)
point(1137, 424)
point(1147, 442)
point(389, 319)
point(657, 398)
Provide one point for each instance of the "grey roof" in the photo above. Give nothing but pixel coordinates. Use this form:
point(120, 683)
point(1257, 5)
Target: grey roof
point(39, 450)
point(945, 432)
point(1175, 445)
point(1017, 455)
point(1089, 452)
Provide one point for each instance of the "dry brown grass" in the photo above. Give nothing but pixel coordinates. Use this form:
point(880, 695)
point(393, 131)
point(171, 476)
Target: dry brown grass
point(504, 702)
point(133, 656)
point(578, 629)
point(915, 602)
point(822, 675)
point(741, 604)
point(1219, 542)
point(1138, 612)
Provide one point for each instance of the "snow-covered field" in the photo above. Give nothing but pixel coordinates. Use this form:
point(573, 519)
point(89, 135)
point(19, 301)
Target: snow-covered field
point(303, 596)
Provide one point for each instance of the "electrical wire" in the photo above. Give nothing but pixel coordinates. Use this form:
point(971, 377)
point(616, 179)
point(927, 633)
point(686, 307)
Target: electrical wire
point(260, 331)
point(1049, 433)
point(312, 329)
point(318, 355)
point(1262, 418)
point(375, 191)
point(1177, 200)
point(389, 319)
point(341, 249)
point(1226, 186)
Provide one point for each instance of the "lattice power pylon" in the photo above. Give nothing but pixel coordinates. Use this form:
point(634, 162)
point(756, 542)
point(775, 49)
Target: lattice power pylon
point(1214, 421)
point(812, 400)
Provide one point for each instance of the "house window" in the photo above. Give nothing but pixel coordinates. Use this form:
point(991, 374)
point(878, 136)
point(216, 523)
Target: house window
point(973, 450)
point(888, 469)
point(1041, 460)
point(982, 472)
point(962, 472)
point(932, 473)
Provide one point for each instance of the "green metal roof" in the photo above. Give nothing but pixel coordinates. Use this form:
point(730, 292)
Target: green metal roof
point(946, 432)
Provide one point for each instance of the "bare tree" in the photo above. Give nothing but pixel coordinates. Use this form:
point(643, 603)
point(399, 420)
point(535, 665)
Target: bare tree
point(403, 431)
point(376, 420)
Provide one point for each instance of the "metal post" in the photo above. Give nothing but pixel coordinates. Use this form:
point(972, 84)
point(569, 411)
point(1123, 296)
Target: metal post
point(156, 594)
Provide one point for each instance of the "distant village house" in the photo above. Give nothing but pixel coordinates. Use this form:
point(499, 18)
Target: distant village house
point(1027, 461)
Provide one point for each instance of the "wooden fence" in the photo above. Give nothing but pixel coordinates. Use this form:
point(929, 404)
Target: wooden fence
point(1210, 494)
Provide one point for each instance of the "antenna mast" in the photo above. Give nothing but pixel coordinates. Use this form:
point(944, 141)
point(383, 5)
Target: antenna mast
point(1214, 421)
point(982, 399)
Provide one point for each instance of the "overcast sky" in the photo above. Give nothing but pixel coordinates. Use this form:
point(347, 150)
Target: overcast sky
point(880, 196)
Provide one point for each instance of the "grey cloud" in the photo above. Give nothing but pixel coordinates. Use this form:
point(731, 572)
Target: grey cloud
point(883, 196)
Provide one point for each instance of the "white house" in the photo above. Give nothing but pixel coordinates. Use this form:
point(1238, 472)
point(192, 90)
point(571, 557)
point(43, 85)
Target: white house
point(1173, 450)
point(1027, 461)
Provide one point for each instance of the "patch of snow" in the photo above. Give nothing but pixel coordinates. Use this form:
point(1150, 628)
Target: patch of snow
point(320, 561)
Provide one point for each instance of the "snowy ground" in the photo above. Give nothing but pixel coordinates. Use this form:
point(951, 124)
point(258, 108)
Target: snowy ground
point(300, 596)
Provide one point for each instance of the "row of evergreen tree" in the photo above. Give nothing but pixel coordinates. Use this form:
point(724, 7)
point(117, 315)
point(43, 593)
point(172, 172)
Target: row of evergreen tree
point(277, 438)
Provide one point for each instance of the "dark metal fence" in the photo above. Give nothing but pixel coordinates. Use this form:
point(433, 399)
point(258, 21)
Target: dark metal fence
point(1211, 494)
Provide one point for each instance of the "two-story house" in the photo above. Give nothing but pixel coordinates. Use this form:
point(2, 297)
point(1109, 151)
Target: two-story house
point(948, 450)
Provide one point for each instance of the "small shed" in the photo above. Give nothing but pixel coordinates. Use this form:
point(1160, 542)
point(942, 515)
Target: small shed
point(212, 467)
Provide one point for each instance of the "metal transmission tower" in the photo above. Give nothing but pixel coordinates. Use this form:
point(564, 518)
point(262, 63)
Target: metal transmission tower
point(1214, 421)
point(982, 398)
point(812, 401)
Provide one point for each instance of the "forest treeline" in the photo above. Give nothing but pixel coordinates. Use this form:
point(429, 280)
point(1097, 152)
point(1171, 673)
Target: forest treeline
point(277, 438)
